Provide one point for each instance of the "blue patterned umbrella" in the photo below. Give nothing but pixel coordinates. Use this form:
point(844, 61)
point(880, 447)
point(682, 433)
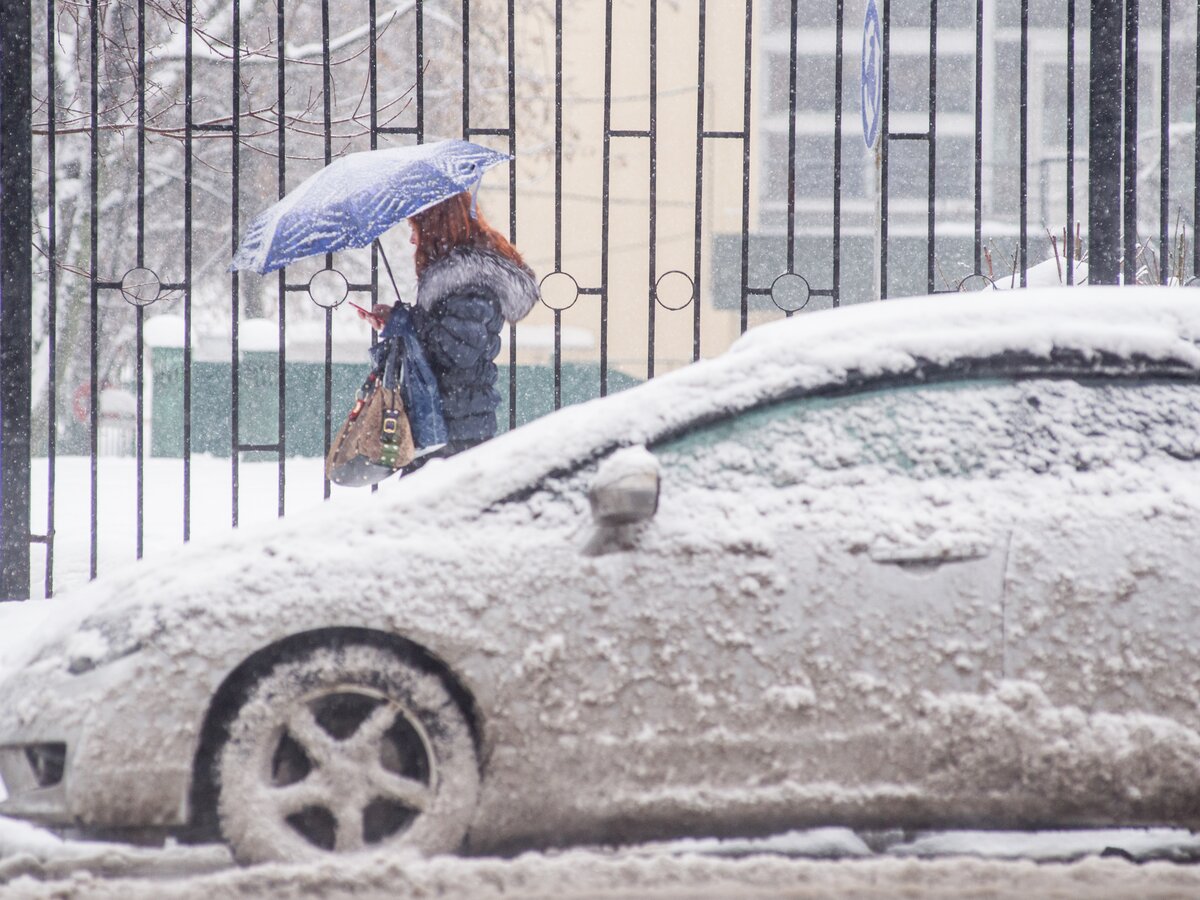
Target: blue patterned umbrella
point(355, 199)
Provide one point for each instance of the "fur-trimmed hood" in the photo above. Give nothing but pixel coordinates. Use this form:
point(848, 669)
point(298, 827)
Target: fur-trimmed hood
point(471, 269)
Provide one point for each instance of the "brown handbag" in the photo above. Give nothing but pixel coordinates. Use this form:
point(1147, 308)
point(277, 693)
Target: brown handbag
point(375, 439)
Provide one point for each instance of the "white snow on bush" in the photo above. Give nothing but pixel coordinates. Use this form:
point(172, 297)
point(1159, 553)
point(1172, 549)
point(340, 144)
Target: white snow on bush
point(1046, 274)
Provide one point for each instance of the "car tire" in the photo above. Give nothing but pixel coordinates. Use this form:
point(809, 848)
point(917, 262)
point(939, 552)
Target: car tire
point(346, 749)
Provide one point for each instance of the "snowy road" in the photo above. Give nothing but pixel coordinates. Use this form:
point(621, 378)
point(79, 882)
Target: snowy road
point(823, 862)
point(578, 875)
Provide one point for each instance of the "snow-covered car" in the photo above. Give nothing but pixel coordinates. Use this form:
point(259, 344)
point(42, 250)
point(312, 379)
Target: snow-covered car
point(921, 563)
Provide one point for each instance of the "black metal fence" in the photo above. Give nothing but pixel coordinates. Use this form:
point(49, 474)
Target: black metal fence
point(160, 126)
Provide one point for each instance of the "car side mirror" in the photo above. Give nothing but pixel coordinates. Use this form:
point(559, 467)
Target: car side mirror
point(625, 489)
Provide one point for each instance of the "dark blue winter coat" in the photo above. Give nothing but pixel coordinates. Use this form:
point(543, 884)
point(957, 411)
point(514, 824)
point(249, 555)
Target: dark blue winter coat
point(401, 355)
point(463, 300)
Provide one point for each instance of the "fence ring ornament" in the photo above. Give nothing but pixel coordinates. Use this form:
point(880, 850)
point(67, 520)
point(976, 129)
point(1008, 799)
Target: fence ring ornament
point(671, 296)
point(559, 290)
point(790, 292)
point(328, 288)
point(140, 286)
point(976, 282)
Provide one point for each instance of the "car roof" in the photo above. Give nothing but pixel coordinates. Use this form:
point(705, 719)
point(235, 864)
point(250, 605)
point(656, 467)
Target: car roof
point(1134, 329)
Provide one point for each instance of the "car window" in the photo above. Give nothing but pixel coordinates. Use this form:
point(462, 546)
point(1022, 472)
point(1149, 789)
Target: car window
point(963, 429)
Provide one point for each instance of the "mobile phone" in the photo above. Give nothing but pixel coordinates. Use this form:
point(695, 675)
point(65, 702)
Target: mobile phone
point(359, 308)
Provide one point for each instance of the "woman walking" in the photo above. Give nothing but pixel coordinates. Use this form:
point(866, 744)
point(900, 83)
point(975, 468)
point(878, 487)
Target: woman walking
point(470, 281)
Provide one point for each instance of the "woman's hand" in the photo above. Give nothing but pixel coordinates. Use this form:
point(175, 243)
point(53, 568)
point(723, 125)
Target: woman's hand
point(378, 315)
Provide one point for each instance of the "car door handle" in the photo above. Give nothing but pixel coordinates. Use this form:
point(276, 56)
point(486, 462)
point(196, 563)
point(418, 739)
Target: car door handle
point(930, 553)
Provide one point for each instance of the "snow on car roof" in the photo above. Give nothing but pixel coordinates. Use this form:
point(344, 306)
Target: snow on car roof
point(824, 350)
point(809, 352)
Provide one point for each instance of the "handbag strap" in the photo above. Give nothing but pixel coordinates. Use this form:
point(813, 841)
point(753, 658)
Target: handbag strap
point(392, 364)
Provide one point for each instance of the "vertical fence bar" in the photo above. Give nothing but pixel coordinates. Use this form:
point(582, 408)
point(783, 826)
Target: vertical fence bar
point(512, 199)
point(1196, 159)
point(1130, 220)
point(932, 145)
point(1164, 212)
point(511, 50)
point(697, 234)
point(466, 70)
point(837, 153)
point(1023, 240)
point(281, 189)
point(93, 293)
point(558, 174)
point(52, 289)
point(746, 102)
point(605, 173)
point(1104, 143)
point(419, 29)
point(140, 311)
point(652, 188)
point(978, 235)
point(235, 374)
point(373, 99)
point(884, 142)
point(187, 271)
point(1069, 234)
point(793, 20)
point(16, 293)
point(327, 113)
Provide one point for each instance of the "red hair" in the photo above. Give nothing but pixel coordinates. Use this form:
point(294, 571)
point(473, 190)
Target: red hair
point(450, 224)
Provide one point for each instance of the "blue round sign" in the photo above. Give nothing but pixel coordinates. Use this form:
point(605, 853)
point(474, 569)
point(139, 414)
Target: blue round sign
point(871, 74)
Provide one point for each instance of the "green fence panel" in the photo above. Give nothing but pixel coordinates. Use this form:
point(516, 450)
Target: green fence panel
point(304, 400)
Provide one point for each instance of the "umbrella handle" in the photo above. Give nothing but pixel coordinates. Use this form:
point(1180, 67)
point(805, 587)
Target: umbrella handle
point(474, 189)
point(387, 265)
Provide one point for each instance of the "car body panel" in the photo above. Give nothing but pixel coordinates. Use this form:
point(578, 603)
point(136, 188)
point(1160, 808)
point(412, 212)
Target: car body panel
point(841, 649)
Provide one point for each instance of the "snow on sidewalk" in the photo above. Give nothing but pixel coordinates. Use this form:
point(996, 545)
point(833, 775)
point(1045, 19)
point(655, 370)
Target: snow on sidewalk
point(1140, 845)
point(28, 852)
point(817, 862)
point(580, 874)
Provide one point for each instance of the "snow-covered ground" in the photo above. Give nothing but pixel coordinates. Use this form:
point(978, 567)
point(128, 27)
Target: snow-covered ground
point(819, 863)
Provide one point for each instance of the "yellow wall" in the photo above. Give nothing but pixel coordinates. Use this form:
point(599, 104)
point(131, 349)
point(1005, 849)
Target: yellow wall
point(629, 236)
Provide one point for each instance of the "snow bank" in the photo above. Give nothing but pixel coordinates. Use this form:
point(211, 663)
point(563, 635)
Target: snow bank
point(1048, 273)
point(815, 843)
point(595, 874)
point(28, 852)
point(1058, 846)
